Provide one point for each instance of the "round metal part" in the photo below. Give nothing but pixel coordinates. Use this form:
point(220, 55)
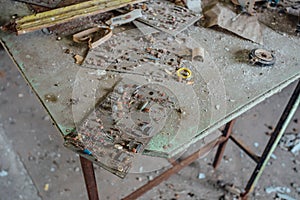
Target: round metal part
point(261, 57)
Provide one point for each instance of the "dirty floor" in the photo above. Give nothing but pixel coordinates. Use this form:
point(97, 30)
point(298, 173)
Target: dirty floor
point(35, 165)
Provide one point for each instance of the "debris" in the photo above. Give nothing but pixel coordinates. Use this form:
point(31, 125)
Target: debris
point(46, 117)
point(78, 59)
point(126, 18)
point(198, 54)
point(91, 35)
point(271, 189)
point(273, 156)
point(247, 5)
point(256, 144)
point(61, 15)
point(47, 31)
point(3, 173)
point(76, 169)
point(290, 141)
point(167, 17)
point(284, 196)
point(86, 151)
point(46, 187)
point(232, 189)
point(52, 169)
point(20, 95)
point(50, 98)
point(296, 187)
point(201, 176)
point(194, 5)
point(150, 177)
point(261, 57)
point(245, 26)
point(296, 149)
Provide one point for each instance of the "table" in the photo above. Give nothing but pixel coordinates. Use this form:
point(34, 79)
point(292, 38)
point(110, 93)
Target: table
point(229, 87)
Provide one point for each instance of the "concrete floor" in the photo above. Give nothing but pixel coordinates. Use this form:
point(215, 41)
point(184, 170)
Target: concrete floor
point(35, 165)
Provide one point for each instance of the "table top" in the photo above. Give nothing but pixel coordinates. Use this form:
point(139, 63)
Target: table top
point(224, 85)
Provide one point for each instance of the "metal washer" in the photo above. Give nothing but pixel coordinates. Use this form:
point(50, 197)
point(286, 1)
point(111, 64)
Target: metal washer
point(261, 57)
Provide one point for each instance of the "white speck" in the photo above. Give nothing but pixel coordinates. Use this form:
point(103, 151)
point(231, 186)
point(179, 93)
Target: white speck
point(256, 144)
point(20, 95)
point(217, 107)
point(3, 173)
point(273, 156)
point(141, 169)
point(150, 178)
point(76, 169)
point(201, 176)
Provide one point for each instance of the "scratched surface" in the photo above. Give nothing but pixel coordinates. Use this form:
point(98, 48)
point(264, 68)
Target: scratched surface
point(225, 84)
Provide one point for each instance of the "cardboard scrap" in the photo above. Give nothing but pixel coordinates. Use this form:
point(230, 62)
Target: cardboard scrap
point(245, 26)
point(92, 36)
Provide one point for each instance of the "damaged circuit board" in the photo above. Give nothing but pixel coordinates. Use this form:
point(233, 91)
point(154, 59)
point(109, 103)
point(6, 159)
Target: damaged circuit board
point(123, 124)
point(150, 73)
point(166, 16)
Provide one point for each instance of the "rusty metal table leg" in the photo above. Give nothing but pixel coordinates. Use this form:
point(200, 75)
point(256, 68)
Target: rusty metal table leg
point(281, 126)
point(177, 166)
point(89, 178)
point(226, 133)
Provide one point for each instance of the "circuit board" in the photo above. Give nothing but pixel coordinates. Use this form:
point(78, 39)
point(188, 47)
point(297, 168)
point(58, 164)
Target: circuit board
point(122, 124)
point(147, 99)
point(166, 16)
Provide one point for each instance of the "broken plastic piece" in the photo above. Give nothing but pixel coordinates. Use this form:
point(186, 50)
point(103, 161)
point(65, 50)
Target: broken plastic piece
point(261, 57)
point(89, 35)
point(126, 18)
point(87, 152)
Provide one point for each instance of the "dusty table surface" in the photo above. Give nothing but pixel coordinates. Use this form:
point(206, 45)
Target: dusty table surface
point(226, 86)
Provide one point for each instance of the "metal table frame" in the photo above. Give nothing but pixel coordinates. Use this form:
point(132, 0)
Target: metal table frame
point(261, 161)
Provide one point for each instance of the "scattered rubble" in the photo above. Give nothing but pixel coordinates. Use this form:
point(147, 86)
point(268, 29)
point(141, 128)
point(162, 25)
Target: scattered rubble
point(272, 189)
point(290, 142)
